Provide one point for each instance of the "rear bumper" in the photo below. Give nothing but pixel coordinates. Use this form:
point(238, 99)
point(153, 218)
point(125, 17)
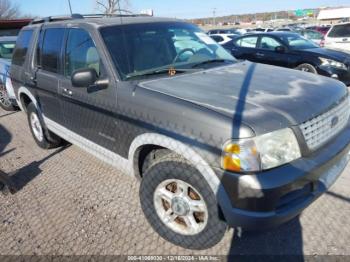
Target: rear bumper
point(270, 198)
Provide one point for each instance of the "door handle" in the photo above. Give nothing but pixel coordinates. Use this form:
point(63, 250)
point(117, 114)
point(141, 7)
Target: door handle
point(67, 92)
point(260, 54)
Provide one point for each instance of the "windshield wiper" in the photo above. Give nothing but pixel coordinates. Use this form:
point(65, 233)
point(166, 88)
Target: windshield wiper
point(159, 72)
point(211, 62)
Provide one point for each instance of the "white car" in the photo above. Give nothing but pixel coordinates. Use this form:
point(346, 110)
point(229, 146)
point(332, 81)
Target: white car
point(338, 37)
point(7, 95)
point(223, 38)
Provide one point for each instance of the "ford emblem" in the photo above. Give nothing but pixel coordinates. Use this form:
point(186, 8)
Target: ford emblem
point(334, 121)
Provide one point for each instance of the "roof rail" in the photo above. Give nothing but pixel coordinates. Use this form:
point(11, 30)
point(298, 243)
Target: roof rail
point(80, 16)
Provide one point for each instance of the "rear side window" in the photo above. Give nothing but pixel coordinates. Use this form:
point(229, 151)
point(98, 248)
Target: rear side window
point(249, 41)
point(49, 49)
point(21, 49)
point(217, 38)
point(340, 31)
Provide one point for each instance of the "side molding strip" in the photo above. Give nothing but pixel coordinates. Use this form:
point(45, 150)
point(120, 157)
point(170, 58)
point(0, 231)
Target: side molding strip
point(120, 163)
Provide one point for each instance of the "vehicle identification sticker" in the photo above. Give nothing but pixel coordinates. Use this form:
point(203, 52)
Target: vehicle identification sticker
point(329, 177)
point(205, 38)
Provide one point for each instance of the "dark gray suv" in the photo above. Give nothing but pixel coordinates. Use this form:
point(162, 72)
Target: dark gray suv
point(214, 141)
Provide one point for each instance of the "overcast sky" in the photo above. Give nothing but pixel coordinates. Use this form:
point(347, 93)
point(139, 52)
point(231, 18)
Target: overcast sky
point(177, 8)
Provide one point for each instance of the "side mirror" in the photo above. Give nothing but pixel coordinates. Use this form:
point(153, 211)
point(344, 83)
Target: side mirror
point(280, 49)
point(84, 77)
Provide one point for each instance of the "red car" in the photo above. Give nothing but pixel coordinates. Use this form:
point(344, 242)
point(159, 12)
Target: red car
point(322, 29)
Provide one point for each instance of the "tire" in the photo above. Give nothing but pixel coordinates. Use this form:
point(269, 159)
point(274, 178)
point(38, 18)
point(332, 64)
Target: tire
point(307, 68)
point(5, 102)
point(38, 130)
point(174, 172)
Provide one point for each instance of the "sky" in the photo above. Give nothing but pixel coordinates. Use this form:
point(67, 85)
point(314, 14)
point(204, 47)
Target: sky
point(176, 8)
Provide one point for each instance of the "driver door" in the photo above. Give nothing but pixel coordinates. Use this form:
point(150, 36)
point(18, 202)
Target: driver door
point(88, 112)
point(266, 52)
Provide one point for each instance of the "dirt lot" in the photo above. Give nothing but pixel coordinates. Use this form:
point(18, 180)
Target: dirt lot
point(70, 203)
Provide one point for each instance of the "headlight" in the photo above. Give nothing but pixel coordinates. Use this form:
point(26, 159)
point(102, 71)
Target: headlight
point(261, 152)
point(332, 63)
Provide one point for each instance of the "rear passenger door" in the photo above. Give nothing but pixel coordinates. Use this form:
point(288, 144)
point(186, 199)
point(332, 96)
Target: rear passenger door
point(89, 112)
point(49, 72)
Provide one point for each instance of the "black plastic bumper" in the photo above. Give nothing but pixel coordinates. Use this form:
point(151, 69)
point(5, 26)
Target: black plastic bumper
point(268, 199)
point(339, 74)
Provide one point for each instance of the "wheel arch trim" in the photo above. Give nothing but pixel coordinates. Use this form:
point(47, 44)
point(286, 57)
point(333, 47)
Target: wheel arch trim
point(178, 147)
point(25, 90)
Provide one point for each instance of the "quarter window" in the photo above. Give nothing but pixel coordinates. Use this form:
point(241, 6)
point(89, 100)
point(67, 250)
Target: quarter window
point(248, 41)
point(81, 52)
point(22, 45)
point(49, 52)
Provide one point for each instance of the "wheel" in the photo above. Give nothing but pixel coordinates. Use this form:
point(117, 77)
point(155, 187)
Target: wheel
point(180, 205)
point(37, 129)
point(307, 68)
point(5, 102)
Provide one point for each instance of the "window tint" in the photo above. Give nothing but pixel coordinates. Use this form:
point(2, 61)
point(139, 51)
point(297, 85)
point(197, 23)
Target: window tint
point(6, 49)
point(269, 43)
point(49, 52)
point(340, 31)
point(217, 38)
point(81, 52)
point(249, 41)
point(22, 45)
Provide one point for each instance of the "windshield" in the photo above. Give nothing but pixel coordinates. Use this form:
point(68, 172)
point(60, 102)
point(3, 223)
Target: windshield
point(6, 49)
point(297, 42)
point(138, 48)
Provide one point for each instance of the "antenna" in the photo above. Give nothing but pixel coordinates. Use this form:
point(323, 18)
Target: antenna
point(70, 7)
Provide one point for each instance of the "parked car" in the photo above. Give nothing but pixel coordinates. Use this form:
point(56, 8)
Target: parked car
point(313, 36)
point(322, 29)
point(293, 51)
point(7, 95)
point(214, 141)
point(260, 29)
point(224, 31)
point(284, 29)
point(338, 37)
point(223, 38)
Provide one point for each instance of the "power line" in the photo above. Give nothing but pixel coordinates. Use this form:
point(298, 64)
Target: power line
point(70, 7)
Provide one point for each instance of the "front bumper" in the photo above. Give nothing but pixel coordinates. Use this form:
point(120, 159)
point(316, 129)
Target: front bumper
point(270, 198)
point(339, 74)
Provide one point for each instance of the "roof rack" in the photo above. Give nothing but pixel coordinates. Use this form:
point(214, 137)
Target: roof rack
point(80, 16)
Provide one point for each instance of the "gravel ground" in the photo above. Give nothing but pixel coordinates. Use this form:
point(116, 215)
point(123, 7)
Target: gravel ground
point(70, 203)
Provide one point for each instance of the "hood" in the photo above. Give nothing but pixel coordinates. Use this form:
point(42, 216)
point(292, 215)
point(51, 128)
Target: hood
point(337, 55)
point(264, 97)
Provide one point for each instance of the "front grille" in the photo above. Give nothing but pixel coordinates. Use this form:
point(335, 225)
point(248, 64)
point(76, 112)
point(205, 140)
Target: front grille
point(324, 127)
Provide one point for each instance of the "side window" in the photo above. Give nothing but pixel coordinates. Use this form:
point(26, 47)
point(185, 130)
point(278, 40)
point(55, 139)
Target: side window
point(249, 41)
point(22, 45)
point(269, 43)
point(50, 50)
point(340, 31)
point(81, 52)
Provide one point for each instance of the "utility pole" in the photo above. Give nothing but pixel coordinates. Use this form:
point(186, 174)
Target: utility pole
point(214, 16)
point(70, 7)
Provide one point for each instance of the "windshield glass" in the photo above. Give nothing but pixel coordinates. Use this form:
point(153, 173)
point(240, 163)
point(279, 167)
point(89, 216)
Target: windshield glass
point(6, 49)
point(138, 48)
point(297, 42)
